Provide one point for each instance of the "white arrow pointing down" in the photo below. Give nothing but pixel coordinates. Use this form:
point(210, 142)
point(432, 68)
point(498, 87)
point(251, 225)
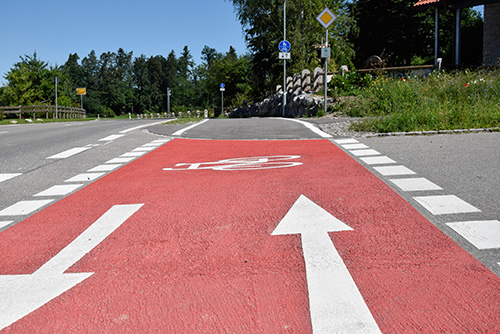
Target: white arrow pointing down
point(22, 294)
point(335, 303)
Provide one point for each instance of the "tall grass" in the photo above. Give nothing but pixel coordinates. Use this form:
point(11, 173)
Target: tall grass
point(442, 101)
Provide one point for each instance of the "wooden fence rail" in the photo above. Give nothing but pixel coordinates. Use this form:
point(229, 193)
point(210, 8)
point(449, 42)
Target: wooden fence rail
point(62, 112)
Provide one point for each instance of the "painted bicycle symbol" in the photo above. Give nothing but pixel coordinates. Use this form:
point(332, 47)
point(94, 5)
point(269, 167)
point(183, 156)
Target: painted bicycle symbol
point(249, 163)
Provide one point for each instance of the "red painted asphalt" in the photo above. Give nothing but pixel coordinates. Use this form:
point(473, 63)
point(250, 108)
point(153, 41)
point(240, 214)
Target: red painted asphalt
point(199, 257)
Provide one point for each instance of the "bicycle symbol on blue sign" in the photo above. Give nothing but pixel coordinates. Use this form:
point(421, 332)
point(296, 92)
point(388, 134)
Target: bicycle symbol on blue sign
point(284, 46)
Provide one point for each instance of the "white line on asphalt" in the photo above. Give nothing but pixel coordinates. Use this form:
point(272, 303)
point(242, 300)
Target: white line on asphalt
point(415, 184)
point(69, 153)
point(104, 168)
point(142, 148)
point(364, 153)
point(354, 146)
point(59, 190)
point(346, 141)
point(484, 234)
point(310, 127)
point(5, 223)
point(119, 160)
point(445, 204)
point(84, 177)
point(394, 170)
point(24, 207)
point(8, 176)
point(181, 131)
point(132, 154)
point(112, 137)
point(377, 160)
point(146, 125)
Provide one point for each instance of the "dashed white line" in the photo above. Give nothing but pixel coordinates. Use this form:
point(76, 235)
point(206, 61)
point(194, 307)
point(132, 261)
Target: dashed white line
point(5, 223)
point(346, 141)
point(111, 137)
point(24, 207)
point(84, 177)
point(104, 168)
point(59, 190)
point(354, 146)
point(69, 153)
point(8, 176)
point(132, 154)
point(394, 170)
point(382, 160)
point(484, 234)
point(363, 153)
point(144, 148)
point(415, 184)
point(445, 204)
point(119, 160)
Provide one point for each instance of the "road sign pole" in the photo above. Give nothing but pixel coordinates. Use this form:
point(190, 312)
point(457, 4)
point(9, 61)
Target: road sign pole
point(168, 102)
point(326, 69)
point(222, 103)
point(284, 60)
point(56, 80)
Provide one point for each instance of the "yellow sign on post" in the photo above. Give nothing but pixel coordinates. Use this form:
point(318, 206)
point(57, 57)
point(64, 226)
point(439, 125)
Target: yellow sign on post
point(81, 91)
point(326, 18)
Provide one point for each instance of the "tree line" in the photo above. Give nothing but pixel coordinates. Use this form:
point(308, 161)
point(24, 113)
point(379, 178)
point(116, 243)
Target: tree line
point(118, 83)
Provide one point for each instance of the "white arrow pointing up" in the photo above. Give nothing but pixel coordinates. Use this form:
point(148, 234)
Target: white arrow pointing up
point(335, 303)
point(22, 294)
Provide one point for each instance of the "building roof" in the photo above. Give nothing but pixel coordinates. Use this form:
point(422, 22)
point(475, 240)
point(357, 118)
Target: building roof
point(426, 2)
point(452, 3)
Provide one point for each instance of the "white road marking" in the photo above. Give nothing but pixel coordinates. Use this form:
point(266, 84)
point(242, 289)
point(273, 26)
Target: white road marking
point(364, 153)
point(378, 160)
point(5, 223)
point(445, 204)
point(133, 154)
point(119, 160)
point(181, 131)
point(484, 234)
point(346, 141)
point(354, 146)
point(104, 168)
point(112, 137)
point(336, 305)
point(394, 170)
point(145, 125)
point(8, 176)
point(69, 153)
point(310, 127)
point(84, 177)
point(144, 148)
point(24, 207)
point(415, 184)
point(23, 294)
point(59, 190)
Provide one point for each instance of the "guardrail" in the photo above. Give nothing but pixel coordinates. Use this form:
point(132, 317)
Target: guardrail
point(62, 112)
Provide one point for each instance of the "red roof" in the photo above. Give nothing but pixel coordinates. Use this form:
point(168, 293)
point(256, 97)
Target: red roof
point(426, 2)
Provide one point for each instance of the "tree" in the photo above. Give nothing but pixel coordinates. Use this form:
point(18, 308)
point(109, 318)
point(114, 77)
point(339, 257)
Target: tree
point(262, 22)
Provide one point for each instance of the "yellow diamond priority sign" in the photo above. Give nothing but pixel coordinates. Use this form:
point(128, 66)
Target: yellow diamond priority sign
point(326, 18)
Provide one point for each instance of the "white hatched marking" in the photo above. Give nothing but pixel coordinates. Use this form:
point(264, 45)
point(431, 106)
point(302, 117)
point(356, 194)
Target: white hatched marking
point(133, 154)
point(119, 160)
point(445, 204)
point(59, 190)
point(378, 160)
point(5, 223)
point(152, 144)
point(8, 176)
point(69, 153)
point(24, 207)
point(415, 184)
point(484, 234)
point(363, 153)
point(346, 141)
point(85, 177)
point(104, 168)
point(394, 170)
point(110, 138)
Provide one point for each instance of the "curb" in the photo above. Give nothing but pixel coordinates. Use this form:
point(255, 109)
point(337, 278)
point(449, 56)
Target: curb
point(434, 132)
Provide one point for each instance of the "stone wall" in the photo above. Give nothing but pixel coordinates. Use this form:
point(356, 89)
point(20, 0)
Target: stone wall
point(491, 38)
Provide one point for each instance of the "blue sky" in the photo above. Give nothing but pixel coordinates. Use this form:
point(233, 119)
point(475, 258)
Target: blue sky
point(56, 28)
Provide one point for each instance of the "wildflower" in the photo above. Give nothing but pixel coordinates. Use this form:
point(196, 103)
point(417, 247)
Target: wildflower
point(466, 85)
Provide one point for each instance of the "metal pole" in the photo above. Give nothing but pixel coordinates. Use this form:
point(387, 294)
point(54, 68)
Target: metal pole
point(222, 104)
point(81, 101)
point(325, 74)
point(436, 37)
point(284, 60)
point(168, 102)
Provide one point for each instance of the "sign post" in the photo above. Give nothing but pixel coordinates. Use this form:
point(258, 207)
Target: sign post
point(81, 92)
point(326, 18)
point(286, 46)
point(168, 102)
point(222, 89)
point(56, 81)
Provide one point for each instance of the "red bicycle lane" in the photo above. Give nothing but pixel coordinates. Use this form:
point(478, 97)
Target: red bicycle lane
point(197, 253)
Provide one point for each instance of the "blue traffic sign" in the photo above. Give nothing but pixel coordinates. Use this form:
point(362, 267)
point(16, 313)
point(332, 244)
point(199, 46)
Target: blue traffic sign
point(284, 46)
point(222, 85)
